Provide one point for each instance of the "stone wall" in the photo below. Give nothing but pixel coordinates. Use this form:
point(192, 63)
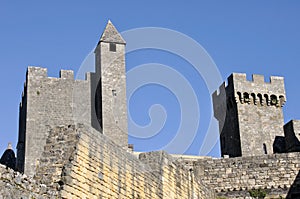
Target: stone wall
point(58, 151)
point(79, 162)
point(16, 185)
point(99, 168)
point(277, 174)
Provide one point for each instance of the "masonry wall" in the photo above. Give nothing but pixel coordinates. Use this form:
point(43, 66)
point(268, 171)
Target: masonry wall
point(17, 185)
point(48, 101)
point(277, 174)
point(100, 169)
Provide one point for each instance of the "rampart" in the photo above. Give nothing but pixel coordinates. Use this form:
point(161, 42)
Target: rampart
point(100, 169)
point(79, 162)
point(277, 174)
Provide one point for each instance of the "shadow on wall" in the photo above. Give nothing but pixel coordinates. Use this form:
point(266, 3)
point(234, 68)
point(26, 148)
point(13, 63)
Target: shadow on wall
point(279, 145)
point(294, 191)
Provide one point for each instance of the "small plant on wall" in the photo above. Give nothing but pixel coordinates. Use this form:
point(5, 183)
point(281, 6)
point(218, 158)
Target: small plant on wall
point(257, 193)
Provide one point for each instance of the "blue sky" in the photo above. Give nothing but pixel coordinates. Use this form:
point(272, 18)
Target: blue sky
point(252, 37)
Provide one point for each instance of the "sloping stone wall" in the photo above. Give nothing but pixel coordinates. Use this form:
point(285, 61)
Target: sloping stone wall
point(101, 169)
point(79, 162)
point(58, 151)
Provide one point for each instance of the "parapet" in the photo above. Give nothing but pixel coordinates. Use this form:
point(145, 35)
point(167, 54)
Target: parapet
point(66, 74)
point(255, 91)
point(219, 98)
point(259, 79)
point(39, 72)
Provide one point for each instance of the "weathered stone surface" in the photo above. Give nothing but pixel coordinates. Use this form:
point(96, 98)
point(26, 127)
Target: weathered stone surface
point(99, 101)
point(48, 101)
point(16, 185)
point(100, 169)
point(276, 173)
point(109, 87)
point(250, 114)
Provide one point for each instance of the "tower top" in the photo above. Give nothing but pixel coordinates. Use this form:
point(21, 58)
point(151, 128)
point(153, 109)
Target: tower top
point(111, 34)
point(9, 146)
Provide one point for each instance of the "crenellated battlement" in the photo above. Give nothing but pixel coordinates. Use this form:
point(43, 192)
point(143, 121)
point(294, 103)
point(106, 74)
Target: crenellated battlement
point(66, 74)
point(259, 79)
point(219, 98)
point(257, 85)
point(220, 91)
point(257, 91)
point(39, 72)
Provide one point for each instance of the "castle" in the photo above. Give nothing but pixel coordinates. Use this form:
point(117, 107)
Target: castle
point(73, 140)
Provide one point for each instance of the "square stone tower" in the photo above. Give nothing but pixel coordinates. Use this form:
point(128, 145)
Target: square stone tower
point(98, 101)
point(250, 114)
point(109, 104)
point(48, 101)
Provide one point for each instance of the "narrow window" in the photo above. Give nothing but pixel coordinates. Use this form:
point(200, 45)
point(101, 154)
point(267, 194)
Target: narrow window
point(112, 47)
point(265, 148)
point(114, 92)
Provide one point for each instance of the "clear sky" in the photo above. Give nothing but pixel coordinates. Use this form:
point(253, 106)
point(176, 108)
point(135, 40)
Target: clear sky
point(253, 37)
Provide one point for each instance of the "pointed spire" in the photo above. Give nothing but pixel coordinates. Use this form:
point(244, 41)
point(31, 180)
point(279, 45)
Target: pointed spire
point(111, 34)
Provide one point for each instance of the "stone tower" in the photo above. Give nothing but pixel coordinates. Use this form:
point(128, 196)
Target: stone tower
point(98, 101)
point(250, 114)
point(48, 101)
point(109, 114)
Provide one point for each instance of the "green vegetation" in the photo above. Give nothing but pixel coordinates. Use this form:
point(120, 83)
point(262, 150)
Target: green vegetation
point(258, 193)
